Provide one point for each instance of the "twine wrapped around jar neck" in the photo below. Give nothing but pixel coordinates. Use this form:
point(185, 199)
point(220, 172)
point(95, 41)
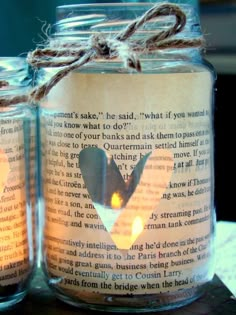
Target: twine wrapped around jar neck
point(100, 46)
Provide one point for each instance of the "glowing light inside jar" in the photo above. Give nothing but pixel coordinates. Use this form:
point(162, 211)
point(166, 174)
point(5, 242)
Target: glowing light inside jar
point(137, 228)
point(116, 201)
point(4, 169)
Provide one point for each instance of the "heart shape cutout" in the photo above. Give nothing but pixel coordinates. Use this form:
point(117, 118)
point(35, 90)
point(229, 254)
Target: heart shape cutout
point(5, 169)
point(125, 206)
point(105, 183)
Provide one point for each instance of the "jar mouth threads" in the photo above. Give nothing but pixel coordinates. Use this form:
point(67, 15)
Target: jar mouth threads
point(14, 72)
point(84, 20)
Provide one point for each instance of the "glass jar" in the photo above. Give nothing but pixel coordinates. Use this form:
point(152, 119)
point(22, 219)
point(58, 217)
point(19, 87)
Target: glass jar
point(17, 183)
point(127, 169)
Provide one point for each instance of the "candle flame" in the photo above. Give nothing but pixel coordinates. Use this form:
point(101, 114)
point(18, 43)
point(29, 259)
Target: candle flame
point(137, 227)
point(116, 201)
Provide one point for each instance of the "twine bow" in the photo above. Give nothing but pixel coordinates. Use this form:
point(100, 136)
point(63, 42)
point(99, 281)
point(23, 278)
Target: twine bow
point(100, 46)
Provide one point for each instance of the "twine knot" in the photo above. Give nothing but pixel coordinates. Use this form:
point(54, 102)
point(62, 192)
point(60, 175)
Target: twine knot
point(100, 44)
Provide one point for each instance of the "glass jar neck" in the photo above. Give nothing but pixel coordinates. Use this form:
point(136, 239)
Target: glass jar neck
point(80, 23)
point(83, 21)
point(14, 75)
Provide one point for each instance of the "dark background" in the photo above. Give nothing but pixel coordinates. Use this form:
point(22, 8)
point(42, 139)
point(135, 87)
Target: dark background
point(225, 147)
point(21, 22)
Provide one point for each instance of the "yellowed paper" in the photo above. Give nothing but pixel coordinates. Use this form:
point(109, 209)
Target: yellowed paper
point(14, 242)
point(123, 120)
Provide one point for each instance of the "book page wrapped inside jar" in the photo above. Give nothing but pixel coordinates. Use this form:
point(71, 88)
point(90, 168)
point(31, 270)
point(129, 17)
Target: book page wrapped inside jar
point(127, 157)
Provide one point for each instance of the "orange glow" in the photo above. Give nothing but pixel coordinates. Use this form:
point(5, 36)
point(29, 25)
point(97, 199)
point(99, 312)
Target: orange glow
point(116, 201)
point(4, 169)
point(137, 227)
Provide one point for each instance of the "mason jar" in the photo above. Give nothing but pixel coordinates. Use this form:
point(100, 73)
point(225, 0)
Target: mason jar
point(17, 182)
point(127, 165)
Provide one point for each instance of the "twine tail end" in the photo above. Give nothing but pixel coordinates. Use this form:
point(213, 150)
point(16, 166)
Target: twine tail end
point(134, 63)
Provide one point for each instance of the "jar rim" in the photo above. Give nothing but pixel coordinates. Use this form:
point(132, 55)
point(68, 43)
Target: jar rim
point(14, 73)
point(120, 4)
point(86, 19)
point(11, 65)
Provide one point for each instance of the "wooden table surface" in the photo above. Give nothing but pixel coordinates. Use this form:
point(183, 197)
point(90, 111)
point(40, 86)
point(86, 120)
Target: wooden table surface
point(217, 301)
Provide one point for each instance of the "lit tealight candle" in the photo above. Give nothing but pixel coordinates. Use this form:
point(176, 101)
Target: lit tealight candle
point(137, 228)
point(116, 201)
